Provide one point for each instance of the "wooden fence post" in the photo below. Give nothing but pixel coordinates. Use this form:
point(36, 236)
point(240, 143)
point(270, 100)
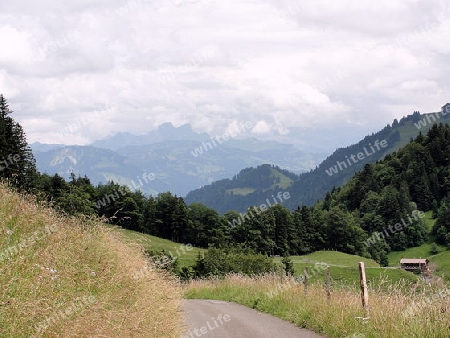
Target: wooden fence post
point(328, 283)
point(273, 273)
point(364, 293)
point(305, 281)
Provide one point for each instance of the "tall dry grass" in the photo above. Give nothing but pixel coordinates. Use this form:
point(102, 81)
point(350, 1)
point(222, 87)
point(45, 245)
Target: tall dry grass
point(65, 277)
point(395, 310)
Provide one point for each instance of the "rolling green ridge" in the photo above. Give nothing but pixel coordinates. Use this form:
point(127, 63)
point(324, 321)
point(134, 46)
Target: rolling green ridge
point(310, 187)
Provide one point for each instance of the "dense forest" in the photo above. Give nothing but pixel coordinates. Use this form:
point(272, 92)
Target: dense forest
point(393, 191)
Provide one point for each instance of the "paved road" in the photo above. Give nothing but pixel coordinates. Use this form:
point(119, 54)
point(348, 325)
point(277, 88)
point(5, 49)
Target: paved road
point(219, 319)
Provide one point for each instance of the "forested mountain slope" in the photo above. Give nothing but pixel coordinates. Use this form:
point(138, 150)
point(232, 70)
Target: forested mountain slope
point(334, 171)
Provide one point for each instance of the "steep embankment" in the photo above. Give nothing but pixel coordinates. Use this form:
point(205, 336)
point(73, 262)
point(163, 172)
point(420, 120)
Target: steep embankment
point(64, 277)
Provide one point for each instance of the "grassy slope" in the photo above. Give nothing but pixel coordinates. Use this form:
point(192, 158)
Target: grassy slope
point(284, 183)
point(64, 277)
point(240, 191)
point(344, 269)
point(409, 130)
point(343, 266)
point(185, 257)
point(440, 262)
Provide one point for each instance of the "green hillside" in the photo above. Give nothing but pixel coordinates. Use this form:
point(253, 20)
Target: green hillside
point(344, 269)
point(245, 189)
point(333, 258)
point(185, 254)
point(240, 192)
point(439, 263)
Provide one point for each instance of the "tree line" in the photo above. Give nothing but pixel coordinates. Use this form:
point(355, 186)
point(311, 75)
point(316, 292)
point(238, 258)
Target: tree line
point(416, 177)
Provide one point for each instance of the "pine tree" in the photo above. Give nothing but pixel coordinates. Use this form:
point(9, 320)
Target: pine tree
point(17, 163)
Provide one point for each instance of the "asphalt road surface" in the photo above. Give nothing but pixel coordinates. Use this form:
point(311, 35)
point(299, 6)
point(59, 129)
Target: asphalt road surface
point(219, 319)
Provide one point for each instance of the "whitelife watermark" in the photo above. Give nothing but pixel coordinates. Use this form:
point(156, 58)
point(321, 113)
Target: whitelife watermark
point(421, 306)
point(255, 211)
point(164, 261)
point(51, 47)
point(37, 236)
point(393, 229)
point(292, 282)
point(422, 32)
point(356, 158)
point(10, 160)
point(208, 327)
point(433, 117)
point(72, 127)
point(209, 145)
point(77, 306)
point(110, 198)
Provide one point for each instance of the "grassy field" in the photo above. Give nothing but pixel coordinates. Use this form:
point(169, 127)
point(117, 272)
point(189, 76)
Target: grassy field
point(63, 277)
point(397, 313)
point(440, 262)
point(344, 269)
point(240, 191)
point(333, 258)
point(186, 255)
point(285, 182)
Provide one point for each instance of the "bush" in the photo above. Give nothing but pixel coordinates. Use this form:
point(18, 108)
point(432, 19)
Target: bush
point(219, 262)
point(433, 249)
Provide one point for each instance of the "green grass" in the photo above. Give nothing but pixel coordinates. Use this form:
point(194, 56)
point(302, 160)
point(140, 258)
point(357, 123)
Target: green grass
point(337, 316)
point(285, 182)
point(439, 262)
point(344, 269)
point(409, 130)
point(185, 256)
point(240, 191)
point(422, 251)
point(335, 258)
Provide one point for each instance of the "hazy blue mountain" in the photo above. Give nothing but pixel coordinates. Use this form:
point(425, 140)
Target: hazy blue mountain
point(100, 165)
point(42, 147)
point(177, 159)
point(165, 132)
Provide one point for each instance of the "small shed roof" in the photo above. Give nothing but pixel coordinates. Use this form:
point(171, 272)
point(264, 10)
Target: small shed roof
point(413, 261)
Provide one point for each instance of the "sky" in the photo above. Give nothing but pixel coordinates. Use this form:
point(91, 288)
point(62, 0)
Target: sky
point(82, 71)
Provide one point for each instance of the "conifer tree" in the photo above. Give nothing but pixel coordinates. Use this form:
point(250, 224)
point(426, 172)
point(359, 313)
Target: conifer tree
point(17, 163)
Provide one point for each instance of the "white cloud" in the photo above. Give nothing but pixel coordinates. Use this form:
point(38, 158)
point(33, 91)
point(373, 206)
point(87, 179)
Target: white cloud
point(261, 127)
point(277, 64)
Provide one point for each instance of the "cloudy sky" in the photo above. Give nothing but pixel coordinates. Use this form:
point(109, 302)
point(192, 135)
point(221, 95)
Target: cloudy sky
point(80, 71)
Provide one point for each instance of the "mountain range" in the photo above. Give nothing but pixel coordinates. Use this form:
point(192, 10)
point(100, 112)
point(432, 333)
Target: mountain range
point(177, 158)
point(204, 170)
point(252, 186)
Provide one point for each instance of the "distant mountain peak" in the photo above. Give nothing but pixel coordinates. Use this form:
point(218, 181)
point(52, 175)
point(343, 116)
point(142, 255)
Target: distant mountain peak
point(165, 132)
